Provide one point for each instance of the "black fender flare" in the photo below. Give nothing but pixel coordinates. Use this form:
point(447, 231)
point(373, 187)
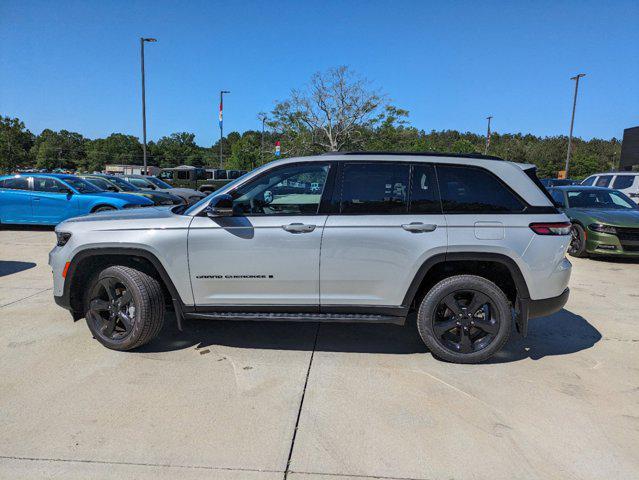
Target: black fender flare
point(523, 295)
point(65, 300)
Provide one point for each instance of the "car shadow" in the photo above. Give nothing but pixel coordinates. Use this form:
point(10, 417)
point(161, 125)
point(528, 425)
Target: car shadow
point(559, 334)
point(611, 259)
point(28, 228)
point(9, 267)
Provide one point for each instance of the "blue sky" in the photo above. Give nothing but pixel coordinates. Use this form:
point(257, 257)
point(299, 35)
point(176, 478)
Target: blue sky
point(75, 64)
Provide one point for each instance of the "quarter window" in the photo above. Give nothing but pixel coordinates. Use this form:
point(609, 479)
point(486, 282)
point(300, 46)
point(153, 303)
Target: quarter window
point(291, 190)
point(474, 190)
point(374, 188)
point(603, 181)
point(423, 196)
point(558, 197)
point(623, 181)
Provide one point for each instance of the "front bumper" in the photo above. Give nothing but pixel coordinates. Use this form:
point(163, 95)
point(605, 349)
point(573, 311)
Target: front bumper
point(609, 244)
point(547, 306)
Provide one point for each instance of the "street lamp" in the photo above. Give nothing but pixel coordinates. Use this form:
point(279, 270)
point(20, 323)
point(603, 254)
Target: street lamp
point(222, 92)
point(572, 119)
point(487, 135)
point(142, 40)
point(262, 116)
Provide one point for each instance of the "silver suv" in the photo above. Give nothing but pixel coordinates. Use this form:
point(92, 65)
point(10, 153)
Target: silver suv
point(472, 244)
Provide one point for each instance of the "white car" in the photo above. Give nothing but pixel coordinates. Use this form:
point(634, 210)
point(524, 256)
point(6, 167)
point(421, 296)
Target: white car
point(626, 182)
point(472, 244)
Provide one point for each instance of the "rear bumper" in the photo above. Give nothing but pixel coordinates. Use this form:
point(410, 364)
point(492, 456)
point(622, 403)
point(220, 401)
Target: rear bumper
point(547, 306)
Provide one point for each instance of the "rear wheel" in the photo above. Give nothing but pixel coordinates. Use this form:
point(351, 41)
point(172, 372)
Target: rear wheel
point(124, 307)
point(464, 319)
point(577, 246)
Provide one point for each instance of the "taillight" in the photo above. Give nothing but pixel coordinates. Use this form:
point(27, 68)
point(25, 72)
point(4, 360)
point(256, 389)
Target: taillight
point(558, 228)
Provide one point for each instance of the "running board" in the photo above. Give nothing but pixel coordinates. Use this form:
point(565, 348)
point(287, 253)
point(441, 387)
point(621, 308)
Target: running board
point(298, 317)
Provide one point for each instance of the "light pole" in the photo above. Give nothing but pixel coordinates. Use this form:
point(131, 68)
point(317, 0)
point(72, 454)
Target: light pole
point(142, 40)
point(572, 119)
point(487, 135)
point(222, 92)
point(262, 116)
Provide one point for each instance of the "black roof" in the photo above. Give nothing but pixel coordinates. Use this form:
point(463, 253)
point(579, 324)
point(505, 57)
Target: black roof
point(422, 154)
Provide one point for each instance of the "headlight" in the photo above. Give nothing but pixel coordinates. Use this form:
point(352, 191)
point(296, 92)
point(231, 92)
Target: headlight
point(598, 227)
point(62, 238)
point(132, 205)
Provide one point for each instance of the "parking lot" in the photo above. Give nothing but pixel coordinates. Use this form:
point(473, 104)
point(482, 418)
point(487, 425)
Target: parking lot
point(222, 400)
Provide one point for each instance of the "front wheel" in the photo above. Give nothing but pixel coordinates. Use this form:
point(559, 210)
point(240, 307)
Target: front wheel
point(464, 319)
point(104, 208)
point(577, 246)
point(124, 307)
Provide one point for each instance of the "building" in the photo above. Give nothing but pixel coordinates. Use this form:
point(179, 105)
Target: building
point(114, 169)
point(630, 149)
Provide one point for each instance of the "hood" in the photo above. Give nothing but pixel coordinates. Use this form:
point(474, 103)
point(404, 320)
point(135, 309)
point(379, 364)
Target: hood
point(184, 192)
point(133, 214)
point(161, 198)
point(618, 218)
point(127, 197)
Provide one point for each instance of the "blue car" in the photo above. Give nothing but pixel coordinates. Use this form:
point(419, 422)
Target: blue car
point(48, 199)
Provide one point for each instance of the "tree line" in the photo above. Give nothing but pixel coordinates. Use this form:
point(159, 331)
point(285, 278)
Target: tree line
point(336, 111)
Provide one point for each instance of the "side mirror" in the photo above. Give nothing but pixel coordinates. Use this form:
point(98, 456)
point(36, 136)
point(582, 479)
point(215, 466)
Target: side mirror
point(68, 191)
point(220, 206)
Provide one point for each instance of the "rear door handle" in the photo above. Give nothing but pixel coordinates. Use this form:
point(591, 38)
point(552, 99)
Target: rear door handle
point(298, 228)
point(418, 227)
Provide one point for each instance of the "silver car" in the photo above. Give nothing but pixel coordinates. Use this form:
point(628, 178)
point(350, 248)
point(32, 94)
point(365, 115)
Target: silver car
point(147, 182)
point(472, 244)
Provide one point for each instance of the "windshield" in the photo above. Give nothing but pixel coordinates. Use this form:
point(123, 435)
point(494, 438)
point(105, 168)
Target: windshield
point(601, 199)
point(81, 185)
point(157, 182)
point(123, 184)
point(100, 183)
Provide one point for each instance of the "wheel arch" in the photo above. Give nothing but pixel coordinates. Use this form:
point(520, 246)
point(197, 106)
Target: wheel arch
point(103, 204)
point(87, 262)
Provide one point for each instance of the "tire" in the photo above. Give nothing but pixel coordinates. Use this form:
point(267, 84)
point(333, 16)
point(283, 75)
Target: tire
point(577, 246)
point(104, 208)
point(122, 288)
point(493, 315)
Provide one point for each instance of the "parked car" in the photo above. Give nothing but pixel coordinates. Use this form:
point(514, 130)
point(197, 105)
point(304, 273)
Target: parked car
point(556, 182)
point(626, 182)
point(604, 221)
point(146, 182)
point(117, 184)
point(471, 243)
point(48, 199)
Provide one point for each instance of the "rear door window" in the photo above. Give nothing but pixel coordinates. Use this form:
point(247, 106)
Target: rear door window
point(589, 181)
point(424, 197)
point(623, 181)
point(603, 181)
point(17, 183)
point(558, 197)
point(466, 189)
point(46, 184)
point(374, 188)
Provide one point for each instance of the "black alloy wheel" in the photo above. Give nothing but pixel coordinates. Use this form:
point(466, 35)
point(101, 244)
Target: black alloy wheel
point(111, 309)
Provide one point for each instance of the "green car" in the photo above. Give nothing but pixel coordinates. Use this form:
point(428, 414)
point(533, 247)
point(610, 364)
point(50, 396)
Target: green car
point(604, 221)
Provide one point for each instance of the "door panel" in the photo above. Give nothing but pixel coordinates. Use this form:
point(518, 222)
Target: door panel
point(371, 260)
point(51, 201)
point(255, 261)
point(15, 206)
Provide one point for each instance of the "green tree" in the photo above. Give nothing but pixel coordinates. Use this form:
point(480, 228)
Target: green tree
point(61, 149)
point(15, 143)
point(117, 148)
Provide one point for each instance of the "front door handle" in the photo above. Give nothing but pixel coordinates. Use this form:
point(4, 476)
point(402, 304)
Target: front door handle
point(418, 227)
point(298, 228)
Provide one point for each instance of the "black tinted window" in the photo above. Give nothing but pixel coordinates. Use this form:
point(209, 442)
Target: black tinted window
point(374, 188)
point(603, 181)
point(18, 183)
point(474, 190)
point(589, 181)
point(623, 181)
point(47, 184)
point(558, 197)
point(423, 195)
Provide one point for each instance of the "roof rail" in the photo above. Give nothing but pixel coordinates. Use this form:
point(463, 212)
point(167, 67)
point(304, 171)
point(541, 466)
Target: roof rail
point(422, 154)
